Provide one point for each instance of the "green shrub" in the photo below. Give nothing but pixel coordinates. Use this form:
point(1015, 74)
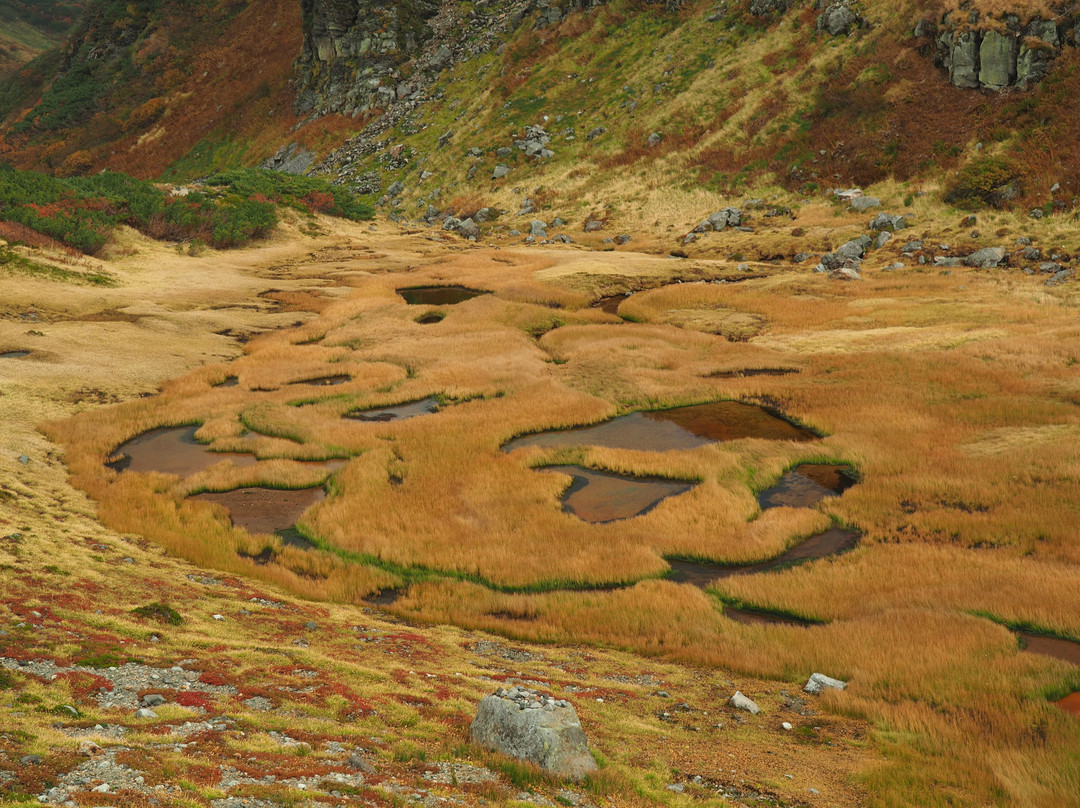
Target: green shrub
point(161, 612)
point(987, 181)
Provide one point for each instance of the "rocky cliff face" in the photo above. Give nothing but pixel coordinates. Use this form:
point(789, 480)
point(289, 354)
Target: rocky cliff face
point(996, 54)
point(362, 55)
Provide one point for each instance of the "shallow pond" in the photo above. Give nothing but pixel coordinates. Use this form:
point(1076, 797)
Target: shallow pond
point(431, 319)
point(746, 373)
point(438, 295)
point(265, 510)
point(171, 450)
point(14, 354)
point(228, 381)
point(678, 428)
point(610, 304)
point(398, 412)
point(601, 496)
point(1065, 650)
point(831, 542)
point(324, 381)
point(1070, 704)
point(806, 485)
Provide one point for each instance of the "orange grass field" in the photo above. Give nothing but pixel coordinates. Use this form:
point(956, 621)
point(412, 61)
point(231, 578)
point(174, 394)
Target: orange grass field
point(955, 396)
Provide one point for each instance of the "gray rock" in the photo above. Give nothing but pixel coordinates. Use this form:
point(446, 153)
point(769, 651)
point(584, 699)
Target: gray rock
point(562, 238)
point(865, 203)
point(359, 763)
point(997, 60)
point(766, 8)
point(964, 60)
point(595, 133)
point(855, 249)
point(987, 257)
point(153, 700)
point(145, 712)
point(1023, 241)
point(24, 459)
point(30, 760)
point(593, 226)
point(838, 19)
point(845, 273)
point(395, 188)
point(475, 152)
point(912, 246)
point(482, 215)
point(469, 229)
point(819, 682)
point(445, 137)
point(885, 221)
point(654, 139)
point(622, 239)
point(259, 704)
point(741, 702)
point(538, 227)
point(526, 725)
point(504, 152)
point(1031, 254)
point(558, 221)
point(800, 257)
point(883, 238)
point(500, 171)
point(1059, 277)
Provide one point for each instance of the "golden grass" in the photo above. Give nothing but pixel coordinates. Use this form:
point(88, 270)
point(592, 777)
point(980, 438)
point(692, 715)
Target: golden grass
point(954, 396)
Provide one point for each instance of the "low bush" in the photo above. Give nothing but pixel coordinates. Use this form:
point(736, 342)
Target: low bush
point(232, 209)
point(162, 612)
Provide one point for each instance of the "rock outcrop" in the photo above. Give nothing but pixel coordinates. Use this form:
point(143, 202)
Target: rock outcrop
point(999, 53)
point(534, 727)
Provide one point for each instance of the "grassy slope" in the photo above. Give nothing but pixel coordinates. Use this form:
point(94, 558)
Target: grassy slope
point(402, 693)
point(745, 107)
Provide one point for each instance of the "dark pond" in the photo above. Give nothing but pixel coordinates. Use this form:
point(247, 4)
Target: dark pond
point(678, 428)
point(746, 373)
point(1065, 650)
point(323, 381)
point(754, 617)
point(398, 412)
point(833, 541)
point(264, 510)
point(431, 319)
point(229, 381)
point(601, 496)
point(806, 485)
point(14, 354)
point(171, 450)
point(438, 295)
point(610, 304)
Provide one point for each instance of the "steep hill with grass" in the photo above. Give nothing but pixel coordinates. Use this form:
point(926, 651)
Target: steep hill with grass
point(645, 109)
point(30, 27)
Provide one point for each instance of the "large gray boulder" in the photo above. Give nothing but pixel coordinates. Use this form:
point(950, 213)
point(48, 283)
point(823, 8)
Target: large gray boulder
point(838, 19)
point(987, 257)
point(964, 60)
point(997, 60)
point(819, 682)
point(534, 727)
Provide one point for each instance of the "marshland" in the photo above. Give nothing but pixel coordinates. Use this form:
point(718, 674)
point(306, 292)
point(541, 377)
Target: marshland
point(926, 441)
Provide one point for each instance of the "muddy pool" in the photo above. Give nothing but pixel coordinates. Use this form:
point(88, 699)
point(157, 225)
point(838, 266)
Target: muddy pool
point(438, 295)
point(678, 428)
point(265, 510)
point(397, 412)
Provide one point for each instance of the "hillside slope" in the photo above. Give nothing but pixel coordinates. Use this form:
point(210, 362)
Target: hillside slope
point(30, 27)
point(641, 108)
